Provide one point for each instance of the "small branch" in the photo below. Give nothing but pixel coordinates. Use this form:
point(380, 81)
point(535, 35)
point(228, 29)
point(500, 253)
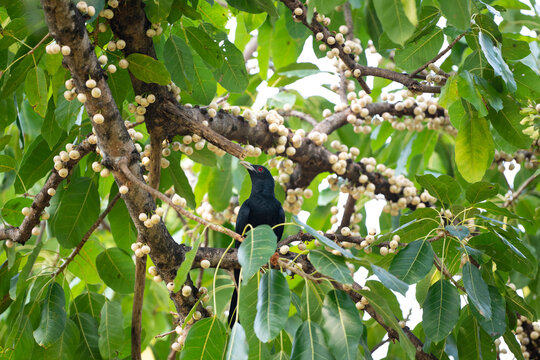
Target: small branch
point(159, 336)
point(136, 313)
point(154, 171)
point(440, 266)
point(347, 213)
point(300, 115)
point(250, 48)
point(518, 192)
point(123, 167)
point(379, 345)
point(87, 235)
point(448, 48)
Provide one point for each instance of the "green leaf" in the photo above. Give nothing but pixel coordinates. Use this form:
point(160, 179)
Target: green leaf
point(66, 113)
point(528, 82)
point(394, 20)
point(53, 316)
point(459, 231)
point(494, 57)
point(77, 212)
point(205, 340)
point(180, 180)
point(178, 60)
point(309, 343)
point(481, 191)
point(122, 228)
point(496, 325)
point(331, 265)
point(504, 254)
point(342, 325)
point(88, 327)
point(65, 347)
point(157, 10)
point(205, 46)
point(506, 122)
point(457, 12)
point(117, 270)
point(254, 6)
point(120, 85)
point(473, 342)
point(444, 187)
point(311, 302)
point(389, 280)
point(290, 73)
point(468, 91)
point(18, 73)
point(496, 210)
point(441, 310)
point(513, 345)
point(232, 75)
point(88, 302)
point(326, 241)
point(50, 130)
point(203, 85)
point(111, 329)
point(416, 53)
point(185, 267)
point(474, 149)
point(148, 69)
point(256, 249)
point(273, 298)
point(35, 86)
point(237, 349)
point(23, 275)
point(11, 212)
point(518, 304)
point(36, 163)
point(477, 289)
point(413, 263)
point(220, 186)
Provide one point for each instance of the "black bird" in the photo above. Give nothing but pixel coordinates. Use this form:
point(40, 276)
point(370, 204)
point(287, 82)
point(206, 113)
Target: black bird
point(261, 208)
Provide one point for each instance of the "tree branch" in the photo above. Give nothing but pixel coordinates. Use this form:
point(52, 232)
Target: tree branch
point(136, 313)
point(441, 54)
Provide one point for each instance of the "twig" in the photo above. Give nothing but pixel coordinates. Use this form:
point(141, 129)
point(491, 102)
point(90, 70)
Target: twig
point(155, 161)
point(379, 345)
point(87, 235)
point(518, 192)
point(448, 48)
point(136, 313)
point(158, 336)
point(440, 266)
point(250, 48)
point(347, 213)
point(124, 168)
point(301, 115)
point(201, 271)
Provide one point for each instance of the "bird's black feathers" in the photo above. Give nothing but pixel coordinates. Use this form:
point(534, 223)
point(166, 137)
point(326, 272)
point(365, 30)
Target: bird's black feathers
point(261, 208)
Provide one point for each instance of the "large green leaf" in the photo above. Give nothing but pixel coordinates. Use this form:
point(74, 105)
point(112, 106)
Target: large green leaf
point(111, 329)
point(342, 325)
point(513, 344)
point(180, 180)
point(88, 302)
point(309, 343)
point(389, 280)
point(496, 325)
point(7, 163)
point(19, 71)
point(66, 113)
point(416, 53)
point(312, 301)
point(185, 267)
point(117, 270)
point(494, 57)
point(414, 262)
point(122, 228)
point(37, 161)
point(273, 299)
point(232, 75)
point(50, 130)
point(53, 316)
point(178, 60)
point(441, 310)
point(394, 20)
point(77, 212)
point(528, 82)
point(11, 212)
point(468, 91)
point(205, 46)
point(254, 6)
point(23, 274)
point(474, 149)
point(331, 265)
point(88, 327)
point(505, 255)
point(220, 186)
point(237, 347)
point(444, 187)
point(205, 340)
point(473, 342)
point(477, 289)
point(256, 249)
point(518, 304)
point(457, 12)
point(203, 85)
point(65, 347)
point(148, 69)
point(35, 86)
point(481, 191)
point(157, 10)
point(120, 85)
point(506, 122)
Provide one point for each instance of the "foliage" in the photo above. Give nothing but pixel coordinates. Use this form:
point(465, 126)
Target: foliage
point(452, 110)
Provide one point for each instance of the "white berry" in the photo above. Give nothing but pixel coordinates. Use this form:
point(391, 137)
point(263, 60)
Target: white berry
point(123, 189)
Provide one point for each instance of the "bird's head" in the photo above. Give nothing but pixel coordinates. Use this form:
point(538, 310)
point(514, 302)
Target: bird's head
point(261, 178)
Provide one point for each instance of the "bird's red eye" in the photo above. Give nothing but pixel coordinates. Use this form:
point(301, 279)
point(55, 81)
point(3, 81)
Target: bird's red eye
point(260, 169)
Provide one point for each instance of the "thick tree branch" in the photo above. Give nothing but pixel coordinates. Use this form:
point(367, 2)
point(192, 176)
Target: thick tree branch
point(136, 313)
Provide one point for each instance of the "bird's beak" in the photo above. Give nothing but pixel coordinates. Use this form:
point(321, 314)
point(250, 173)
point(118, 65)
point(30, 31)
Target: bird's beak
point(247, 165)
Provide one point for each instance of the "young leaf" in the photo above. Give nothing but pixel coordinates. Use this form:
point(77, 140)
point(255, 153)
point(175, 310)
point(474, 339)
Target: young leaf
point(53, 316)
point(342, 325)
point(255, 251)
point(331, 265)
point(273, 298)
point(111, 329)
point(477, 289)
point(205, 340)
point(148, 69)
point(117, 270)
point(413, 263)
point(474, 149)
point(441, 310)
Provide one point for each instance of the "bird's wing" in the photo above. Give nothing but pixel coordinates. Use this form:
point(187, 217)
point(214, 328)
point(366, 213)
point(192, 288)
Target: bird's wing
point(242, 218)
point(280, 220)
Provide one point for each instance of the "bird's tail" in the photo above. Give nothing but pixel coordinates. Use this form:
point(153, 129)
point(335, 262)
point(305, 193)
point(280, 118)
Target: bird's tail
point(234, 299)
